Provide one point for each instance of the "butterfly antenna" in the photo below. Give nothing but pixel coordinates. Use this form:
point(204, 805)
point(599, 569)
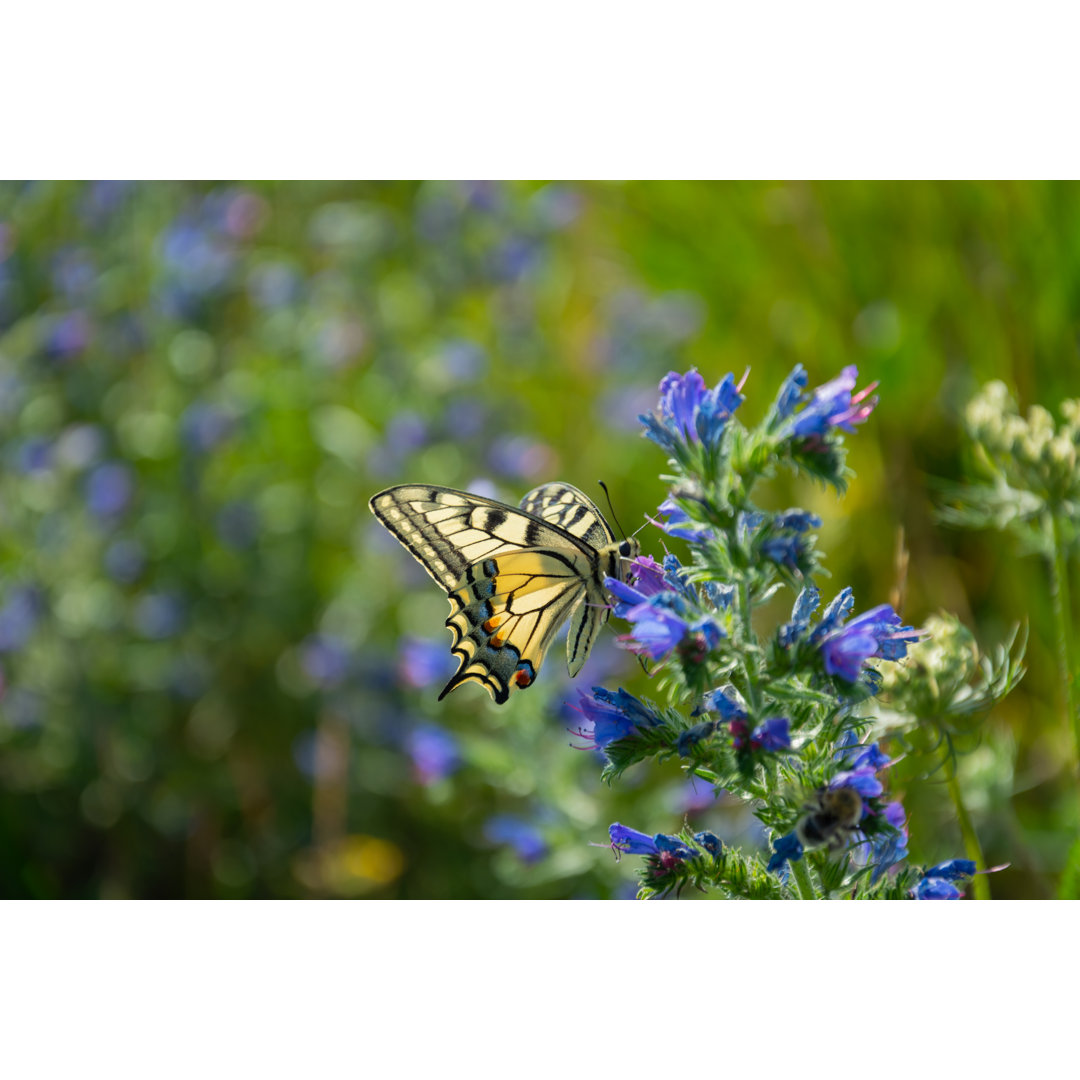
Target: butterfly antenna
point(618, 524)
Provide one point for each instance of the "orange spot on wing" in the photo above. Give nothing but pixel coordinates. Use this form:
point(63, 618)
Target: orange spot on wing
point(497, 641)
point(491, 623)
point(522, 678)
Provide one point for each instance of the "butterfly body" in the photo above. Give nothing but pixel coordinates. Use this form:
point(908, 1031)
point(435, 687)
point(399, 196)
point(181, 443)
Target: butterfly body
point(513, 575)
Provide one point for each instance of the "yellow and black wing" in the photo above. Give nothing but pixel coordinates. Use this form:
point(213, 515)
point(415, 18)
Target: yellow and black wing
point(512, 576)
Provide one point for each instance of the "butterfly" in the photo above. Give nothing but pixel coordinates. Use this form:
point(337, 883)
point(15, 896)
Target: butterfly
point(512, 575)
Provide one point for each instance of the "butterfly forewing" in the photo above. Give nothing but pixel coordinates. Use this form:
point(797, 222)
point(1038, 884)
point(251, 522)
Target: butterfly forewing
point(512, 576)
point(569, 509)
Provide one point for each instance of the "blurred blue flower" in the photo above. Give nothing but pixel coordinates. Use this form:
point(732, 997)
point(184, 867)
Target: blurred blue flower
point(863, 780)
point(205, 425)
point(109, 489)
point(514, 258)
point(198, 262)
point(102, 199)
point(237, 524)
point(74, 274)
point(557, 205)
point(19, 616)
point(423, 662)
point(520, 457)
point(66, 335)
point(159, 615)
point(326, 659)
point(406, 431)
point(463, 359)
point(434, 752)
point(125, 560)
point(525, 839)
point(274, 284)
point(34, 455)
point(791, 392)
point(80, 445)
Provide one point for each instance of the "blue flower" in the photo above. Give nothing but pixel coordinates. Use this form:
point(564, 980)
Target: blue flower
point(710, 842)
point(791, 392)
point(679, 525)
point(878, 632)
point(675, 578)
point(953, 870)
point(659, 625)
point(326, 659)
point(109, 489)
point(692, 736)
point(689, 413)
point(423, 662)
point(831, 405)
point(771, 735)
point(725, 700)
point(19, 616)
point(672, 845)
point(786, 849)
point(613, 716)
point(525, 839)
point(805, 605)
point(932, 888)
point(434, 753)
point(629, 841)
point(863, 780)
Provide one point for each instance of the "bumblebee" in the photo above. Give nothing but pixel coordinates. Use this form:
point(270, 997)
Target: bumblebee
point(830, 818)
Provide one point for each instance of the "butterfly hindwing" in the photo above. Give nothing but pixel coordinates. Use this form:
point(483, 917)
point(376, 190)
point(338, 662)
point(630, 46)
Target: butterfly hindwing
point(512, 576)
point(506, 614)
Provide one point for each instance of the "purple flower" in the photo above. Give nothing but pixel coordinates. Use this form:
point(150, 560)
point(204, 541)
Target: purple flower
point(613, 716)
point(525, 839)
point(648, 576)
point(831, 405)
point(677, 523)
point(856, 755)
point(878, 632)
point(786, 849)
point(434, 753)
point(689, 413)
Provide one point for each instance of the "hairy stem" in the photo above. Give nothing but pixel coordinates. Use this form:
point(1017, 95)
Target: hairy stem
point(1059, 592)
point(972, 847)
point(802, 880)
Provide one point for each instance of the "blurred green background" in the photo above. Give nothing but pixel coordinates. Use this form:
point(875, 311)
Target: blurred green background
point(219, 674)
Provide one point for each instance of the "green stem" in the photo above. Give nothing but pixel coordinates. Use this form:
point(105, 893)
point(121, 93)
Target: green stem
point(1059, 591)
point(802, 879)
point(972, 847)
